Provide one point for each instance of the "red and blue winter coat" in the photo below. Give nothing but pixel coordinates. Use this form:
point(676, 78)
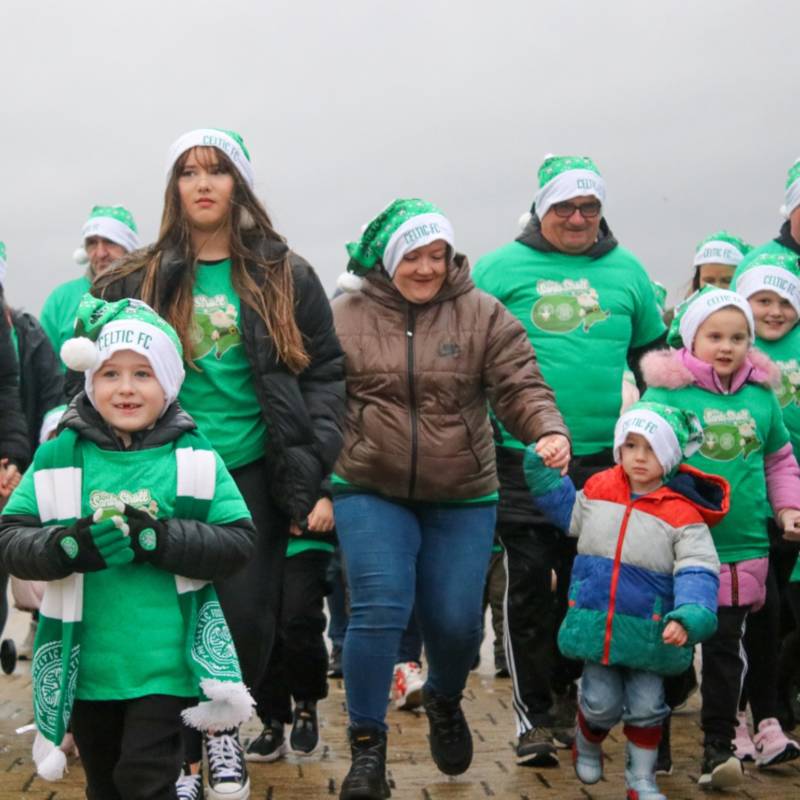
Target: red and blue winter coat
point(641, 562)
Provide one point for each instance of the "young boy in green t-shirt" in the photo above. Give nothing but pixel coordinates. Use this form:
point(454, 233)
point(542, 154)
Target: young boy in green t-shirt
point(128, 513)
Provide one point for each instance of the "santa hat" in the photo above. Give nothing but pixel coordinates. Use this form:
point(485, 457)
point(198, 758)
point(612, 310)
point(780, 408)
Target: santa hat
point(792, 199)
point(771, 272)
point(674, 434)
point(229, 142)
point(101, 329)
point(721, 248)
point(114, 223)
point(564, 178)
point(404, 225)
point(697, 308)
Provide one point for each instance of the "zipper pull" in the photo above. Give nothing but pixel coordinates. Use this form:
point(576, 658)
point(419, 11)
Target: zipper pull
point(409, 334)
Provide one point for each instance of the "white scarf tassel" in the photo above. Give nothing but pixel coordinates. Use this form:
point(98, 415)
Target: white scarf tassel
point(229, 704)
point(51, 761)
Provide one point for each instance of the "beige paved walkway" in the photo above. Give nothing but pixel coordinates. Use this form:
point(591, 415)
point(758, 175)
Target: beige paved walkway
point(492, 775)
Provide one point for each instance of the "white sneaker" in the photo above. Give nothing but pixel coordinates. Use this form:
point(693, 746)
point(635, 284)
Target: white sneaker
point(407, 686)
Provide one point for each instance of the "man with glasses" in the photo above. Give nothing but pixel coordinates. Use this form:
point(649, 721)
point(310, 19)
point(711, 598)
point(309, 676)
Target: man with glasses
point(590, 312)
point(108, 234)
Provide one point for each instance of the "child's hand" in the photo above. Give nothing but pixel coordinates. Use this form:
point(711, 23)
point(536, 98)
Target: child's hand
point(9, 478)
point(554, 450)
point(789, 520)
point(320, 520)
point(675, 634)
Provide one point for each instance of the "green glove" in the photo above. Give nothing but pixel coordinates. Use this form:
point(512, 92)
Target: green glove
point(93, 543)
point(540, 479)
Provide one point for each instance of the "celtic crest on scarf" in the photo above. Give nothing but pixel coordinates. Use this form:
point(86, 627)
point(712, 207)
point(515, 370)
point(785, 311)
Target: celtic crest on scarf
point(213, 646)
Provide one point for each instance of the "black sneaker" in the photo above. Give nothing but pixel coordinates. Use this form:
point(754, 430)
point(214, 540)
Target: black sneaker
point(188, 786)
point(535, 748)
point(304, 738)
point(664, 759)
point(450, 738)
point(227, 771)
point(721, 769)
point(269, 745)
point(366, 779)
point(335, 663)
point(565, 714)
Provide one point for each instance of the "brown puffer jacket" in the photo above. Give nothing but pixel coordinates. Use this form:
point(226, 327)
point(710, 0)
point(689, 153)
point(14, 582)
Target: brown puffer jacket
point(419, 378)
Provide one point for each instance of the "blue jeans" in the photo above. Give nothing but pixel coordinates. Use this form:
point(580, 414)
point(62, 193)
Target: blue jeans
point(397, 554)
point(337, 603)
point(610, 694)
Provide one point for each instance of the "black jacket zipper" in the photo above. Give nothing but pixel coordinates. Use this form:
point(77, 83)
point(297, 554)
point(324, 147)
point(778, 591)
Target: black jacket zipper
point(412, 398)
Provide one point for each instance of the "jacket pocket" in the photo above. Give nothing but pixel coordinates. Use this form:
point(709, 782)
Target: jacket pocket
point(358, 427)
point(470, 445)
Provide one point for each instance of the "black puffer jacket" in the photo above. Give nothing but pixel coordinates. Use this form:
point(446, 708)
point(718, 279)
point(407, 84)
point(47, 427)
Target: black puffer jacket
point(14, 444)
point(192, 548)
point(41, 381)
point(303, 413)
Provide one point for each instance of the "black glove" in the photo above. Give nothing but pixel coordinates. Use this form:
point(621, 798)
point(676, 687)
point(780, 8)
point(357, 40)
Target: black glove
point(91, 543)
point(147, 535)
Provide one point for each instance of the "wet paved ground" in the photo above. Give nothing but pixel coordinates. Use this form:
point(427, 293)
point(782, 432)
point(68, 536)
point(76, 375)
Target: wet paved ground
point(493, 773)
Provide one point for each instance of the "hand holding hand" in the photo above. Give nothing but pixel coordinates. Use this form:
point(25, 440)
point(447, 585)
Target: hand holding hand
point(9, 478)
point(554, 450)
point(674, 633)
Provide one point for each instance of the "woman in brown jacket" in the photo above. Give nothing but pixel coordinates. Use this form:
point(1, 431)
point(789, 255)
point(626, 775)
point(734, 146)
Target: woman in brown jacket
point(415, 488)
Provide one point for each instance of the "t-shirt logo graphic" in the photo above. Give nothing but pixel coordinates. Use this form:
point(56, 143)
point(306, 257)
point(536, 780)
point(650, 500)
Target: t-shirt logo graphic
point(565, 305)
point(789, 390)
point(141, 499)
point(215, 326)
point(729, 434)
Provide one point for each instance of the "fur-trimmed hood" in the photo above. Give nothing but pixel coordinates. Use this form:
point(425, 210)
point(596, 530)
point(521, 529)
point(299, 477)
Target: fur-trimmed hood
point(676, 369)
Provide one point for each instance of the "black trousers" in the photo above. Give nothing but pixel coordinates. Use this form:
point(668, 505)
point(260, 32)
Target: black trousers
point(298, 666)
point(250, 598)
point(724, 665)
point(534, 612)
point(130, 749)
point(762, 647)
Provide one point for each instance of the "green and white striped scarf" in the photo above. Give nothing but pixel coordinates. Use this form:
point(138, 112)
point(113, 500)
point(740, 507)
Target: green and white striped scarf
point(209, 651)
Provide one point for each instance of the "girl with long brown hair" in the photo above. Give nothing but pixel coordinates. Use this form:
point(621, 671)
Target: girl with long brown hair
point(264, 383)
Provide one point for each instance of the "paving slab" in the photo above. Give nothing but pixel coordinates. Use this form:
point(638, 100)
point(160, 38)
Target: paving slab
point(412, 774)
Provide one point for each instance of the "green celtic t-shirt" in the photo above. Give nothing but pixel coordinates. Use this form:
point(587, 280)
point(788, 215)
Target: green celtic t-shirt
point(222, 397)
point(740, 430)
point(132, 638)
point(785, 353)
point(59, 310)
point(582, 317)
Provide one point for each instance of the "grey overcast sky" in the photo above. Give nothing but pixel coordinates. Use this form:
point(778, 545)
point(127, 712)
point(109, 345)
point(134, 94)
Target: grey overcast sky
point(690, 110)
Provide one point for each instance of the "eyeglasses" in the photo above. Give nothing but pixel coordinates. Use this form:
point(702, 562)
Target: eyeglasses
point(586, 210)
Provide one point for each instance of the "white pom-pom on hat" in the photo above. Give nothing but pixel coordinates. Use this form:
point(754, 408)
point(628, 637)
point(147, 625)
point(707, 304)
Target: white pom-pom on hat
point(349, 282)
point(79, 353)
point(80, 256)
point(525, 219)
